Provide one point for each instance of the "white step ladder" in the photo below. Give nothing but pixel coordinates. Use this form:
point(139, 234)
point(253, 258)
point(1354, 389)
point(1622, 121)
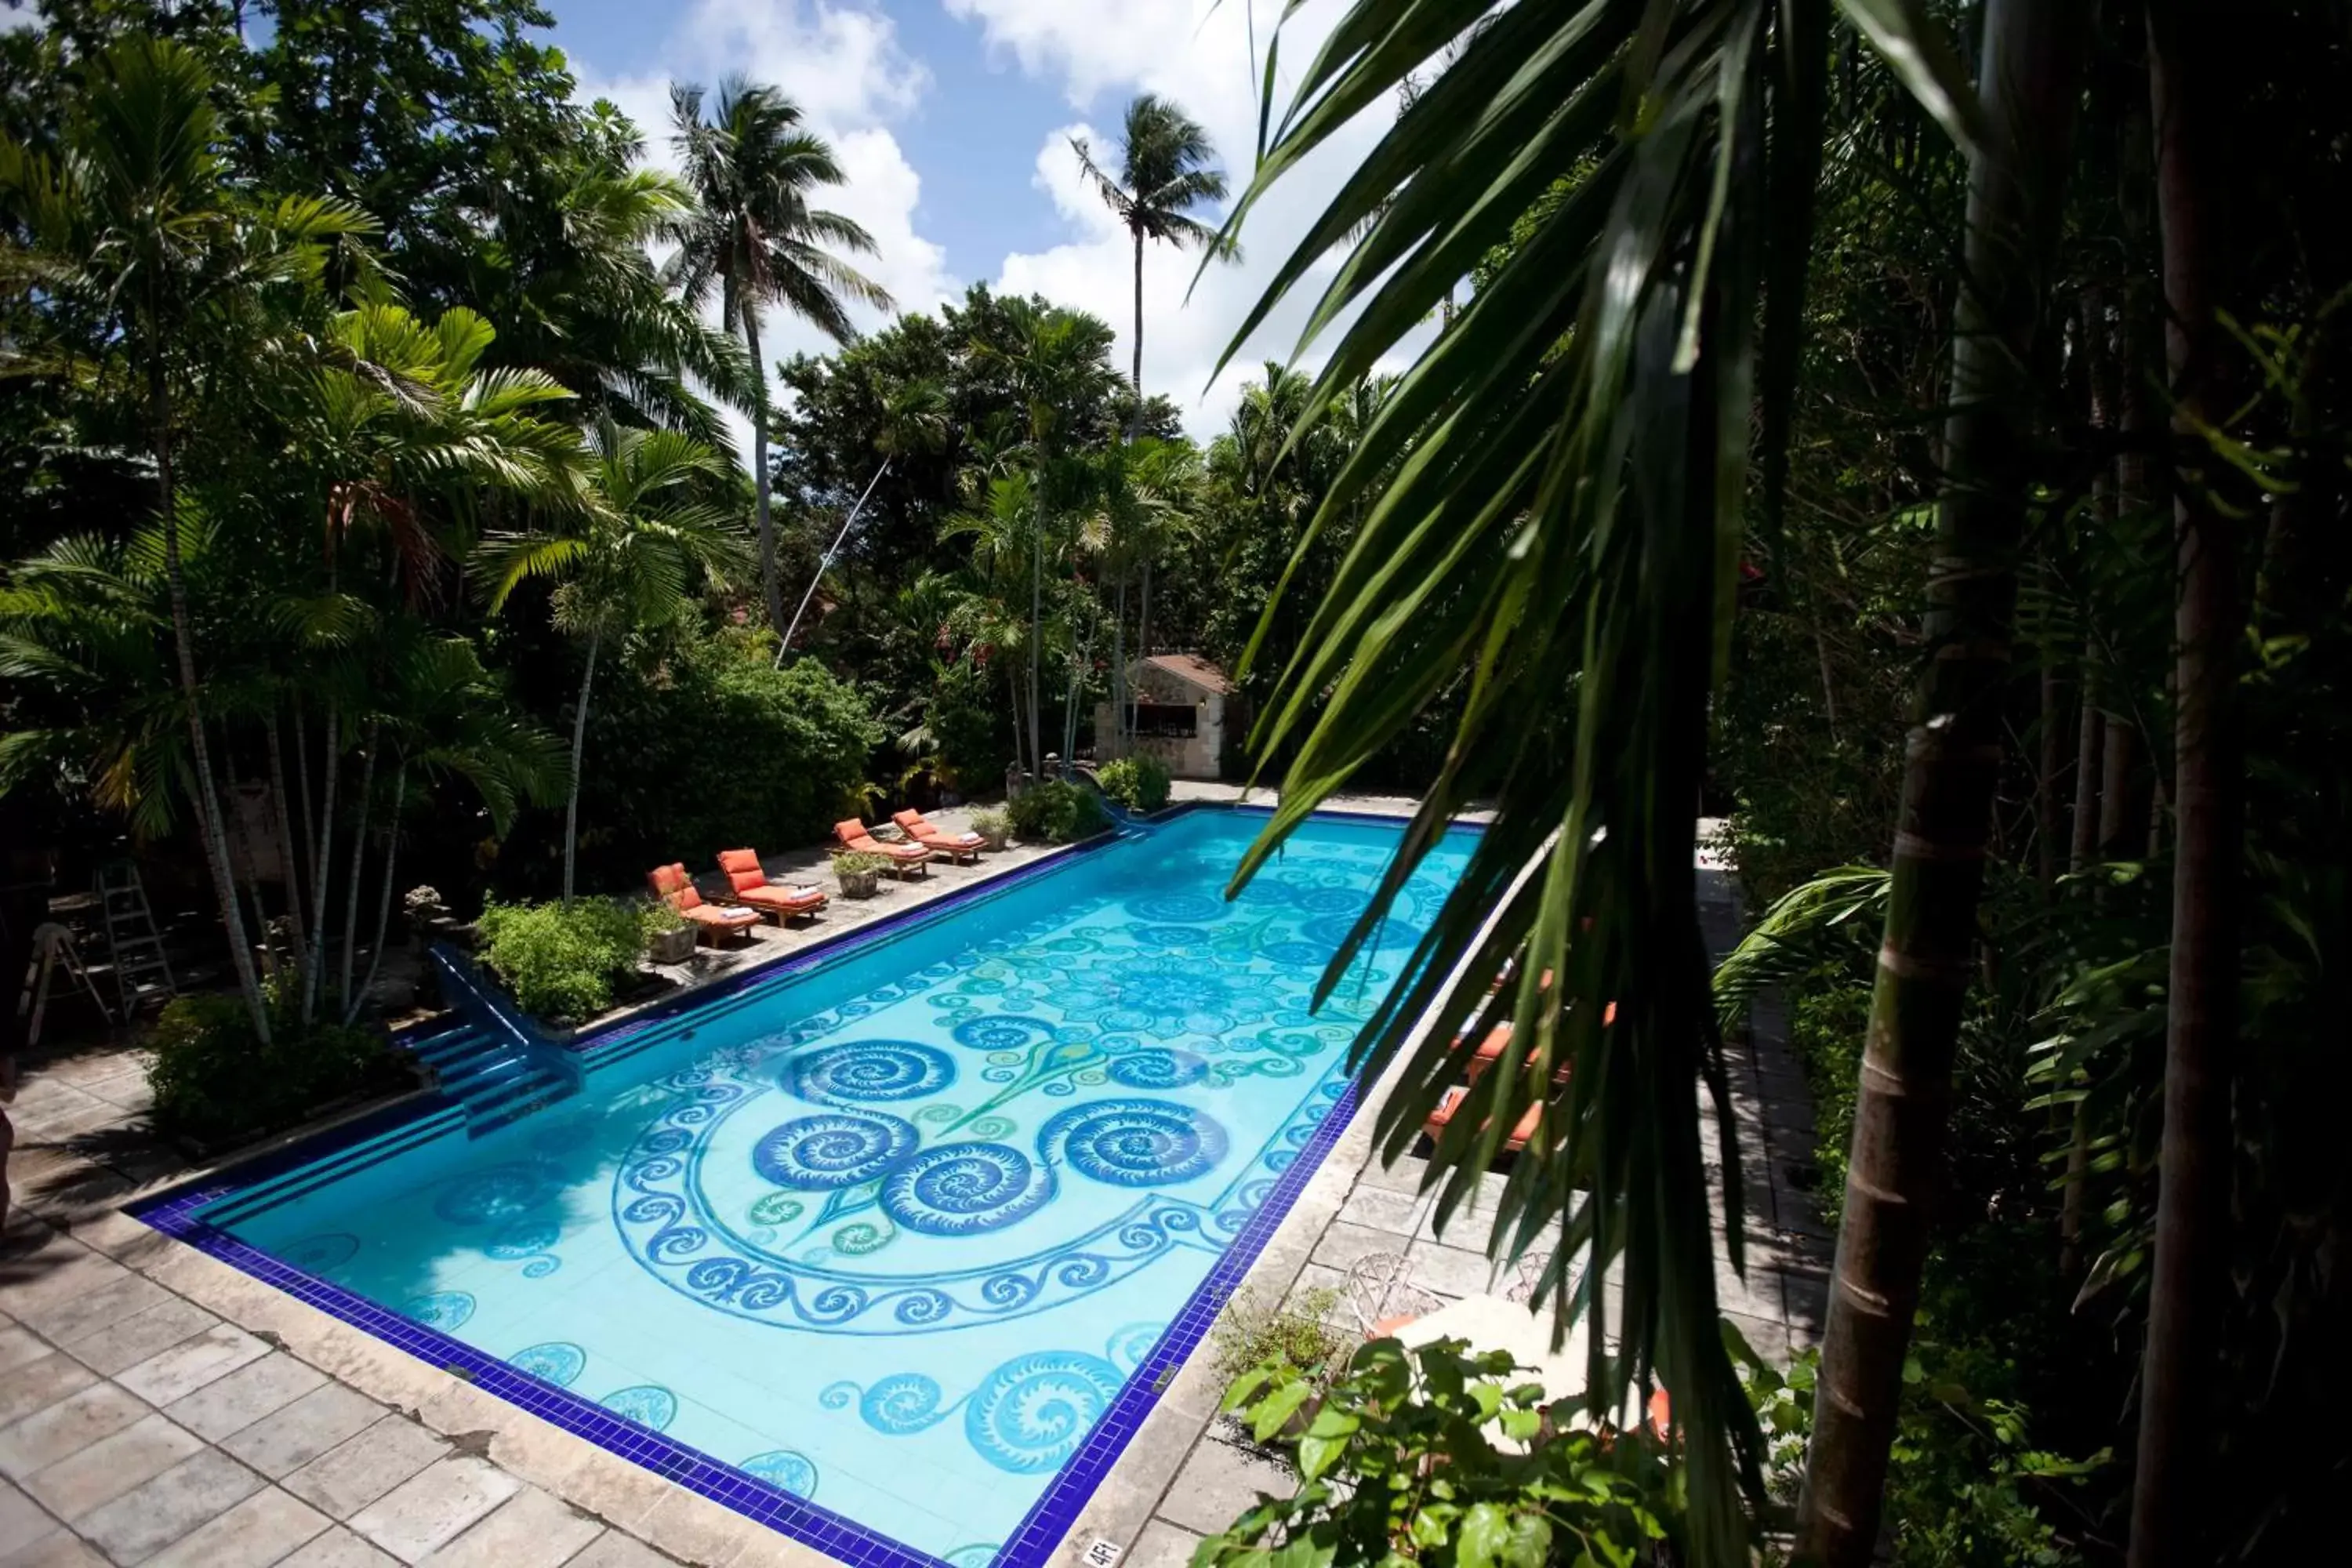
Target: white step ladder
point(142, 971)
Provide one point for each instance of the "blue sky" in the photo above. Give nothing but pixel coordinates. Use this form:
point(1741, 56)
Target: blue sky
point(953, 119)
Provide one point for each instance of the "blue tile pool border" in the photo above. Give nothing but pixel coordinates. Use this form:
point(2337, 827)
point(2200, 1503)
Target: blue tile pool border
point(178, 1214)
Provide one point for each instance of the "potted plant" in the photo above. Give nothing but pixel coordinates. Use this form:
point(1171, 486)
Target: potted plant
point(428, 916)
point(994, 828)
point(860, 874)
point(668, 938)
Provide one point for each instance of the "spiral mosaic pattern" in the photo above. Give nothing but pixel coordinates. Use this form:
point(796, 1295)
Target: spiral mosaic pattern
point(1001, 1032)
point(646, 1403)
point(322, 1253)
point(500, 1192)
point(558, 1361)
point(443, 1309)
point(901, 1403)
point(841, 1149)
point(1130, 1344)
point(528, 1242)
point(1034, 1411)
point(1135, 1142)
point(963, 1189)
point(869, 1072)
point(784, 1469)
point(1158, 1069)
point(1176, 909)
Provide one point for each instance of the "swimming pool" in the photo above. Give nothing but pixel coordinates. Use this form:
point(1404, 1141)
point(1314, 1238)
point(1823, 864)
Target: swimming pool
point(895, 1252)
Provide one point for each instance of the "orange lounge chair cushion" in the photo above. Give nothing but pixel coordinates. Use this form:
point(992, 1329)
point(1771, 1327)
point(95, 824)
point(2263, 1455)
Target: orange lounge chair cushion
point(1453, 1102)
point(677, 889)
point(792, 901)
point(918, 825)
point(853, 836)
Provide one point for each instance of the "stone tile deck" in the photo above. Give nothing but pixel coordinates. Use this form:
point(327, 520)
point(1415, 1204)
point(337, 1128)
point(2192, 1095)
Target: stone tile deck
point(158, 1407)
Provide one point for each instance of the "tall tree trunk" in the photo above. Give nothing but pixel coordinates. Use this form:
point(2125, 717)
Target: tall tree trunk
point(771, 590)
point(359, 864)
point(1119, 676)
point(1135, 418)
point(2028, 85)
point(310, 827)
point(322, 865)
point(2118, 814)
point(578, 745)
point(383, 899)
point(1036, 638)
point(208, 809)
point(2191, 104)
point(283, 812)
point(1143, 614)
point(2089, 747)
point(2047, 820)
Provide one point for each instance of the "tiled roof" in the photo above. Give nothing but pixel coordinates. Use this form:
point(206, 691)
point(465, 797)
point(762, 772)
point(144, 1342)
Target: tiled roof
point(1194, 669)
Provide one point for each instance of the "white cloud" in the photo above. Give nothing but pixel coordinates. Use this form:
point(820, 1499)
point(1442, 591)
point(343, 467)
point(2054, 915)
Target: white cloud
point(1198, 52)
point(843, 64)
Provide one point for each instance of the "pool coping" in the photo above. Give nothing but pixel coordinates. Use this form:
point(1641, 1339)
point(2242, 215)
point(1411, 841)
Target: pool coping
point(1066, 1497)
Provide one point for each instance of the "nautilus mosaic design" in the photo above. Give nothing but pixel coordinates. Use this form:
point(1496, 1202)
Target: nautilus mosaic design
point(894, 1238)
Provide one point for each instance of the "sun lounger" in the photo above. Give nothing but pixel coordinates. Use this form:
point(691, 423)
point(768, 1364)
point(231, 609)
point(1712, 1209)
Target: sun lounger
point(905, 858)
point(713, 921)
point(751, 887)
point(962, 846)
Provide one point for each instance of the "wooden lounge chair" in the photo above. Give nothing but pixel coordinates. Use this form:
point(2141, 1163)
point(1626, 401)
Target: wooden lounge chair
point(961, 846)
point(1528, 1119)
point(905, 858)
point(713, 922)
point(751, 887)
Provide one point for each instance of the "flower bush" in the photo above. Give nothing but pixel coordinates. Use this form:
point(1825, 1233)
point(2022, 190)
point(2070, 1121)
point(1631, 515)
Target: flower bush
point(564, 960)
point(1139, 783)
point(1054, 812)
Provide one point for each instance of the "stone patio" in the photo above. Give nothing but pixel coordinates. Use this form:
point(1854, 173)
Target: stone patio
point(158, 1407)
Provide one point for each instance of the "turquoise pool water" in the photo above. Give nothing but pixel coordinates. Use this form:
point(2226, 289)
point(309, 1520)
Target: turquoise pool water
point(893, 1235)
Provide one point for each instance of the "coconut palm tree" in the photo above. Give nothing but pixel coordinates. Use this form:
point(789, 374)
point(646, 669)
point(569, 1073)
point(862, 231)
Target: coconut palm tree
point(136, 235)
point(1554, 498)
point(641, 537)
point(758, 243)
point(1167, 171)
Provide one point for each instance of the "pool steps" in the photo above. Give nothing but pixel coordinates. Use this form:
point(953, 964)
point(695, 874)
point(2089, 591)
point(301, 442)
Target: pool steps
point(494, 1083)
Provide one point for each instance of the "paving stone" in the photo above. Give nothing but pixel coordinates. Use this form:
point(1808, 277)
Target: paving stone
point(1448, 1270)
point(1404, 1177)
point(66, 1428)
point(1162, 1546)
point(230, 1404)
point(1382, 1209)
point(176, 1373)
point(110, 1467)
point(363, 1469)
point(1767, 1339)
point(1218, 1483)
point(614, 1550)
point(436, 1507)
point(339, 1548)
point(36, 1384)
point(532, 1529)
point(299, 1433)
point(257, 1533)
point(57, 1548)
point(22, 1522)
point(138, 1524)
point(136, 1338)
point(18, 1346)
point(83, 1314)
point(1343, 1245)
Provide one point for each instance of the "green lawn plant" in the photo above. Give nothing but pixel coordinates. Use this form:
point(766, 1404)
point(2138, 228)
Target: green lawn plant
point(1441, 1459)
point(1139, 783)
point(993, 825)
point(563, 962)
point(218, 1081)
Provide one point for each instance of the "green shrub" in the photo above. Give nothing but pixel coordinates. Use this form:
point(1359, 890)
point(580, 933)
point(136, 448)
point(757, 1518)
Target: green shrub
point(1253, 1331)
point(967, 721)
point(1139, 783)
point(1055, 812)
point(215, 1081)
point(699, 745)
point(995, 824)
point(563, 960)
point(1517, 1482)
point(853, 862)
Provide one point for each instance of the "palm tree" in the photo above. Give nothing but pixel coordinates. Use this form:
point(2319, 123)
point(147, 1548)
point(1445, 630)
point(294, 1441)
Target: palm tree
point(1553, 501)
point(1167, 168)
point(640, 538)
point(138, 228)
point(758, 242)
